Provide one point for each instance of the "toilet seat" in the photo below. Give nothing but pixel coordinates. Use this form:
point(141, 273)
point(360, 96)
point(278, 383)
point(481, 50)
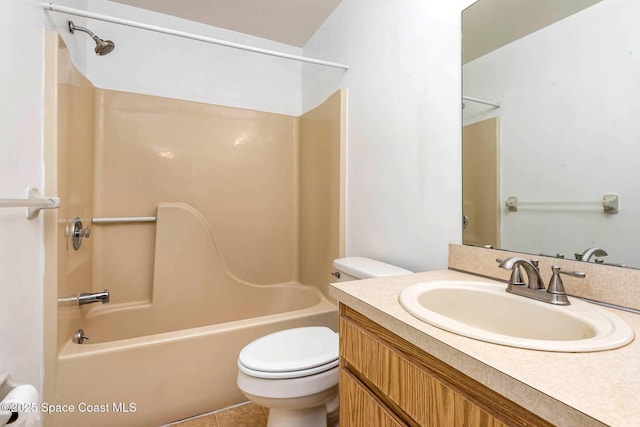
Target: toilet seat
point(287, 374)
point(292, 353)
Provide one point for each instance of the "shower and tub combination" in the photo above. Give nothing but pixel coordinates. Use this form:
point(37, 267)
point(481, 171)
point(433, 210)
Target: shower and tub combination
point(220, 265)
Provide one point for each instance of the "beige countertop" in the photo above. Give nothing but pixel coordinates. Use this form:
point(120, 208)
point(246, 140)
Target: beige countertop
point(567, 389)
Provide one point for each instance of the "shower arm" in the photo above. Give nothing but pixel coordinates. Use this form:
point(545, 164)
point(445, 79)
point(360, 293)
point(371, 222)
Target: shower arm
point(73, 28)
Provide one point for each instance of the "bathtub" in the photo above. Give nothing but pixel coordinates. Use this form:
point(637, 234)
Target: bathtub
point(150, 363)
point(152, 379)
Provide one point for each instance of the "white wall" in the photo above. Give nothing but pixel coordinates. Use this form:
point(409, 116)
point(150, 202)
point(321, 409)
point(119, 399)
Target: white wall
point(21, 249)
point(59, 22)
point(162, 65)
point(570, 130)
point(404, 140)
point(21, 161)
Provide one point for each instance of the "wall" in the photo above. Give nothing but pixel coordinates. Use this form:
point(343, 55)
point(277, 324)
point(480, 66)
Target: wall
point(21, 253)
point(236, 167)
point(403, 170)
point(321, 198)
point(157, 64)
point(569, 132)
point(59, 22)
point(69, 158)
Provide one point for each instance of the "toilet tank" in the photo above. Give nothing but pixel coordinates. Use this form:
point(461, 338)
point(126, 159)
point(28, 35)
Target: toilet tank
point(357, 268)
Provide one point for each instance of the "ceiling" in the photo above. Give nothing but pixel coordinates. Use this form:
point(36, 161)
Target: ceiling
point(287, 21)
point(490, 24)
point(487, 24)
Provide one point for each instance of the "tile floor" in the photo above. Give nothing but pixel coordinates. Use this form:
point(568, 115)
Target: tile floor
point(245, 415)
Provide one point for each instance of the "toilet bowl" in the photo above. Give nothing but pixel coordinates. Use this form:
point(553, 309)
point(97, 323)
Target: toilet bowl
point(294, 372)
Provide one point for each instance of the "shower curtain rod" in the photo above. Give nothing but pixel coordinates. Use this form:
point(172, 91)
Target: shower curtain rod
point(78, 12)
point(480, 101)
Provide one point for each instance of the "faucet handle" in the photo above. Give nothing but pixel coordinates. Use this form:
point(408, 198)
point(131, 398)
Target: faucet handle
point(578, 274)
point(555, 284)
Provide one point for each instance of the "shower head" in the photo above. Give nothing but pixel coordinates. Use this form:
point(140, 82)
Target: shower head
point(103, 47)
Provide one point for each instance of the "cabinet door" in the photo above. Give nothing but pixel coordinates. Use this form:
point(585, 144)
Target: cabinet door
point(361, 408)
point(422, 390)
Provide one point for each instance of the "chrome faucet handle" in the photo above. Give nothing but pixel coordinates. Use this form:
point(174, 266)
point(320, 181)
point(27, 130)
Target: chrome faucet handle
point(555, 284)
point(578, 274)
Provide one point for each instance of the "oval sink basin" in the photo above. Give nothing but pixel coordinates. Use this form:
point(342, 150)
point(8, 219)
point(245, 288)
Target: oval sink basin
point(486, 312)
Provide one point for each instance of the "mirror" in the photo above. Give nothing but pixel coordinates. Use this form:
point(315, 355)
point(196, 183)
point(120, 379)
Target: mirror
point(562, 92)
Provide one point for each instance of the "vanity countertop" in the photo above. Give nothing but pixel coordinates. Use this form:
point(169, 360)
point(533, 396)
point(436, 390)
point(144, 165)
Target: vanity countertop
point(567, 389)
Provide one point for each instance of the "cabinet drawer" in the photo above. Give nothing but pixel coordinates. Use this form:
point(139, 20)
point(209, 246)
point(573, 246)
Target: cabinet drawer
point(361, 408)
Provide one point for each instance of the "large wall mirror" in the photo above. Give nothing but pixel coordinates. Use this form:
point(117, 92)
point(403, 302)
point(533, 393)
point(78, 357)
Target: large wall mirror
point(551, 116)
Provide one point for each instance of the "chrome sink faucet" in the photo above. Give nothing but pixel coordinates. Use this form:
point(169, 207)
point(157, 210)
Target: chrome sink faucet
point(534, 287)
point(591, 252)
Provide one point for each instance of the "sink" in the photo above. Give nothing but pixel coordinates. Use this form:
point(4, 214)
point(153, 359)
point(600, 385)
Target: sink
point(486, 312)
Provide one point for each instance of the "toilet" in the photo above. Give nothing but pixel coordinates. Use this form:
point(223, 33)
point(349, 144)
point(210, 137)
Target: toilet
point(294, 372)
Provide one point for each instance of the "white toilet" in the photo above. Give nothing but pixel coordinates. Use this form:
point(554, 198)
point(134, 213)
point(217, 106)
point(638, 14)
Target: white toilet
point(294, 372)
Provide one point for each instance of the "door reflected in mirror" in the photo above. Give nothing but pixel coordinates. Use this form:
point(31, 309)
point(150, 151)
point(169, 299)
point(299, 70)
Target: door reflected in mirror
point(561, 78)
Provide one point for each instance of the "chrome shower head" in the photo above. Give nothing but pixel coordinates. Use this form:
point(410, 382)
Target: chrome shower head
point(103, 47)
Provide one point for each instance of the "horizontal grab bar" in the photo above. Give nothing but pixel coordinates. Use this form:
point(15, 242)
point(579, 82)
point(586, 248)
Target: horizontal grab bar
point(123, 220)
point(610, 204)
point(84, 298)
point(34, 203)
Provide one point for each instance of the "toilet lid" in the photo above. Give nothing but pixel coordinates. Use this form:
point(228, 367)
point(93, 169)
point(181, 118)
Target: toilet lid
point(291, 353)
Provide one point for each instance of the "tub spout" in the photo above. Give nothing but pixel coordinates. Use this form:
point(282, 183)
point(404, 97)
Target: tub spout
point(88, 298)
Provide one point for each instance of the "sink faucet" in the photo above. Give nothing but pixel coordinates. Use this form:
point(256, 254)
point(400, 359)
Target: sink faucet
point(534, 279)
point(591, 252)
point(534, 288)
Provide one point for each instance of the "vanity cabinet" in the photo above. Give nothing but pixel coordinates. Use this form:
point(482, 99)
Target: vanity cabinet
point(387, 381)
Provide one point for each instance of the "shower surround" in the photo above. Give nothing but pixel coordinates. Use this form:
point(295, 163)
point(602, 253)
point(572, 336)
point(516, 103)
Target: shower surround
point(249, 209)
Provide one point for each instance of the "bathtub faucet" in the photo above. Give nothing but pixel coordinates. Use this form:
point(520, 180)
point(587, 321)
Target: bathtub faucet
point(88, 298)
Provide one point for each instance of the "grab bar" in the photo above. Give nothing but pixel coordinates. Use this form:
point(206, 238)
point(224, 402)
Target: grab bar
point(610, 204)
point(34, 203)
point(85, 298)
point(123, 220)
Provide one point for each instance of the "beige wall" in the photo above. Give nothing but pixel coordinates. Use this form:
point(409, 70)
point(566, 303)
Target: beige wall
point(70, 103)
point(321, 204)
point(481, 182)
point(235, 166)
point(247, 172)
point(69, 154)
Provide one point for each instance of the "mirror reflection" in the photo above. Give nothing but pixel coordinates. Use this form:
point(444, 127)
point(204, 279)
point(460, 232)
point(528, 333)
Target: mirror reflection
point(559, 130)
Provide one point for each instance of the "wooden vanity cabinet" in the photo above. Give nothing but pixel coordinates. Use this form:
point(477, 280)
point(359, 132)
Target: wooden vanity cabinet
point(387, 381)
